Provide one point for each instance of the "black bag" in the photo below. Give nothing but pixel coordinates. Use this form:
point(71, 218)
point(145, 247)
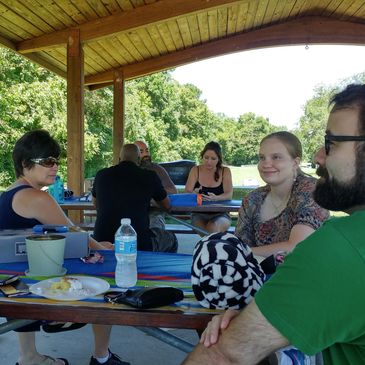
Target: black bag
point(145, 298)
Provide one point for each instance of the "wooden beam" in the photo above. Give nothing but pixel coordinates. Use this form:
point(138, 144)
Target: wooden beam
point(307, 30)
point(118, 115)
point(75, 117)
point(98, 86)
point(42, 42)
point(139, 17)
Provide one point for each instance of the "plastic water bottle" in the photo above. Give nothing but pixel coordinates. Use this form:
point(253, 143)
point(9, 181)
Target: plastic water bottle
point(125, 246)
point(57, 190)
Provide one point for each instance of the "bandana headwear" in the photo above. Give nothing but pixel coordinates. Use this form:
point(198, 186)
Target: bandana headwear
point(224, 273)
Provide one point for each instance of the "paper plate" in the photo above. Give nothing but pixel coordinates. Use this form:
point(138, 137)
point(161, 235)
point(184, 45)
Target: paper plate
point(91, 286)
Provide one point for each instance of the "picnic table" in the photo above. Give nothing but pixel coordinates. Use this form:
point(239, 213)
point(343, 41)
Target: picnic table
point(154, 269)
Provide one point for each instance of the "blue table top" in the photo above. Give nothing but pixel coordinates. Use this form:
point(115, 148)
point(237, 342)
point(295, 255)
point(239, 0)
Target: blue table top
point(151, 266)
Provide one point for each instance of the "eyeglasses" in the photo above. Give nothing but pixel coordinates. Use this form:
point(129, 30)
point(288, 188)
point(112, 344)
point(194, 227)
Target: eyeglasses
point(329, 138)
point(46, 161)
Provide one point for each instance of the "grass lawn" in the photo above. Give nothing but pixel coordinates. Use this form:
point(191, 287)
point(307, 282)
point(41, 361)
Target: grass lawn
point(239, 173)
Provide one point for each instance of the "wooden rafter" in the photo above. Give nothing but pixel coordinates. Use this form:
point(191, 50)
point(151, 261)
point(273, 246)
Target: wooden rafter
point(307, 30)
point(128, 20)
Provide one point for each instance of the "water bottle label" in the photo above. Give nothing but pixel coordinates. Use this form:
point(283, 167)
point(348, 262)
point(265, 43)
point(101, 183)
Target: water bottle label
point(126, 247)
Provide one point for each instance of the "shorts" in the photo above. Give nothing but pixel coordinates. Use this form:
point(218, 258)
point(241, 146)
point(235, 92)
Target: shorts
point(157, 220)
point(208, 217)
point(163, 241)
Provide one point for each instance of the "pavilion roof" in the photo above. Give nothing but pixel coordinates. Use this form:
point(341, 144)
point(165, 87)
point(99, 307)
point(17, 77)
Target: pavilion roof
point(139, 37)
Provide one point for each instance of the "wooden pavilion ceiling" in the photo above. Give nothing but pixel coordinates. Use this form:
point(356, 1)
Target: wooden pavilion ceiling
point(144, 36)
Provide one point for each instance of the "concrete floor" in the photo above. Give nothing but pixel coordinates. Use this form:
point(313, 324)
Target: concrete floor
point(129, 343)
point(76, 346)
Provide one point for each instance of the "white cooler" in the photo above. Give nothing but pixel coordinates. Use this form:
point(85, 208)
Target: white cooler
point(13, 249)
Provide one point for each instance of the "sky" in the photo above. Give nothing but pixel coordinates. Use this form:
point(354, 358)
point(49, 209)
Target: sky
point(273, 82)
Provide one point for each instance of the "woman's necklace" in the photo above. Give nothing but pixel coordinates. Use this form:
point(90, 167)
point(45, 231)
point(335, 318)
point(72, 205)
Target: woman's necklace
point(282, 204)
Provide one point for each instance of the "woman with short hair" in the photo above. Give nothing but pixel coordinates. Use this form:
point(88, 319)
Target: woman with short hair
point(36, 158)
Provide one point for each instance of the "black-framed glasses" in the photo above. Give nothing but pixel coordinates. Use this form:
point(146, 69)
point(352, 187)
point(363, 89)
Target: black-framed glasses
point(46, 161)
point(329, 138)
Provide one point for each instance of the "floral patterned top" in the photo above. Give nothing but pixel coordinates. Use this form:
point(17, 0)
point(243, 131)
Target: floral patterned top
point(301, 209)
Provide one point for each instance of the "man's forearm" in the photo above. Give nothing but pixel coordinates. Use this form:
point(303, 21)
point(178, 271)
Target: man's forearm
point(247, 340)
point(171, 189)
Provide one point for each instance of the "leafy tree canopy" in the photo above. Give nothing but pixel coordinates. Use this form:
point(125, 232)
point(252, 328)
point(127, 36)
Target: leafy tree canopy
point(172, 118)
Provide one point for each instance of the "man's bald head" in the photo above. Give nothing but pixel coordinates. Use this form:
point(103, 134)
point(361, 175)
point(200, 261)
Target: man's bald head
point(144, 152)
point(130, 152)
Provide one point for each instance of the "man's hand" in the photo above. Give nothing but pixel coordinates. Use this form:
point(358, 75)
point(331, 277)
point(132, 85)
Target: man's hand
point(105, 245)
point(102, 245)
point(247, 337)
point(218, 324)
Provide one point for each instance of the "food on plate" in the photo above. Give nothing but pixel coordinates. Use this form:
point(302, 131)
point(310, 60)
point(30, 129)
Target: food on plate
point(67, 284)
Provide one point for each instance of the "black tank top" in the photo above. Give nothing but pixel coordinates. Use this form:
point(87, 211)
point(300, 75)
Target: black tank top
point(217, 190)
point(10, 219)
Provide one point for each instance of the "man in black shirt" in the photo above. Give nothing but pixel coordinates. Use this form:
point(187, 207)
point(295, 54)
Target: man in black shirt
point(125, 191)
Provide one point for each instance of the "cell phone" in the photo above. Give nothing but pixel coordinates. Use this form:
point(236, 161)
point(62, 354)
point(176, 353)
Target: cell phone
point(13, 286)
point(9, 279)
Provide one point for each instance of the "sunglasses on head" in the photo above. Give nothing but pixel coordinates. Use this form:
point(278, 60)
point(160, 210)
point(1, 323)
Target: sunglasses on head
point(329, 138)
point(46, 161)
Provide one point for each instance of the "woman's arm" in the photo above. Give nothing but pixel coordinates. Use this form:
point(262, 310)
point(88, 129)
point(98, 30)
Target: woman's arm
point(192, 179)
point(245, 222)
point(297, 234)
point(37, 204)
point(227, 184)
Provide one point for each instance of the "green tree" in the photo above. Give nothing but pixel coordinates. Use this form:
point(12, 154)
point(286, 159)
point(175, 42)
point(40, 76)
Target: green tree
point(32, 98)
point(30, 105)
point(16, 69)
point(173, 119)
point(242, 144)
point(170, 117)
point(313, 123)
point(98, 130)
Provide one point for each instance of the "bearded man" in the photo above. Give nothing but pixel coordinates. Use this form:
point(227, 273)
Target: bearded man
point(146, 163)
point(157, 218)
point(316, 299)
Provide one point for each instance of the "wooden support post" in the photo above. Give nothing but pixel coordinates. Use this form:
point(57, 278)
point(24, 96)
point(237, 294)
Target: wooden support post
point(118, 115)
point(75, 117)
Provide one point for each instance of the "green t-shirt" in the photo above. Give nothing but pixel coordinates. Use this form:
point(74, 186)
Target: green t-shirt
point(316, 299)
